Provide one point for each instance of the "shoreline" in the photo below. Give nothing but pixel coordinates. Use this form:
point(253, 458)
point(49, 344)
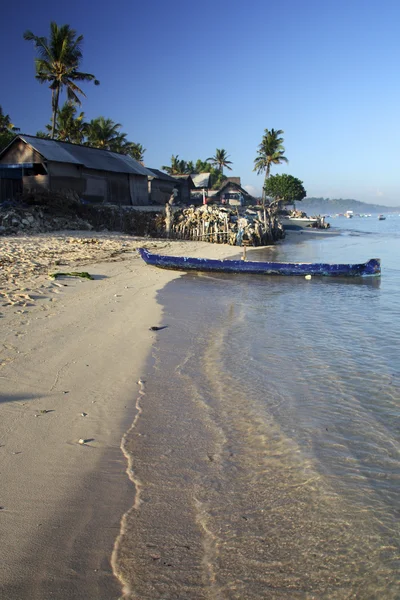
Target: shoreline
point(73, 353)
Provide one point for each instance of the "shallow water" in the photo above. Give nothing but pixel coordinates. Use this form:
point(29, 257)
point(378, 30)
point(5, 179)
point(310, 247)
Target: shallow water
point(266, 453)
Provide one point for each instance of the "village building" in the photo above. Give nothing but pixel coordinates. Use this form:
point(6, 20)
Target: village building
point(232, 193)
point(96, 175)
point(201, 187)
point(201, 181)
point(186, 186)
point(162, 185)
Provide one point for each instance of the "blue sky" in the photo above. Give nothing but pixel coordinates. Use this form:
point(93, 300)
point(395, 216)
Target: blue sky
point(186, 78)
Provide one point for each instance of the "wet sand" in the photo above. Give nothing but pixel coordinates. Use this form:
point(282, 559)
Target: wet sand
point(72, 354)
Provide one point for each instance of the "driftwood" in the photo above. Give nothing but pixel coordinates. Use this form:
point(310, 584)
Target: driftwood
point(222, 225)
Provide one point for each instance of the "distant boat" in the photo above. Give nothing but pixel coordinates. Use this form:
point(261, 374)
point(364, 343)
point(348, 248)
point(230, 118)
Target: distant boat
point(349, 214)
point(381, 217)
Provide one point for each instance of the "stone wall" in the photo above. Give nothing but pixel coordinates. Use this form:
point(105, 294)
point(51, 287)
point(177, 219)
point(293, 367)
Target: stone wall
point(50, 211)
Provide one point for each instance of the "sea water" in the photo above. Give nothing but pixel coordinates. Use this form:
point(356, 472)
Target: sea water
point(266, 450)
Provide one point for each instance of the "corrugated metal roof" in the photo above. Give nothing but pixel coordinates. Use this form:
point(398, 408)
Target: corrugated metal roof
point(201, 180)
point(161, 175)
point(91, 158)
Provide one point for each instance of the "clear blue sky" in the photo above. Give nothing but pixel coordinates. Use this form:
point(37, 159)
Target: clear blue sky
point(186, 78)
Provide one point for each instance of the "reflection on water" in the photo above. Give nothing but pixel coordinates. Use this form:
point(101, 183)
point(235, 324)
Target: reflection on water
point(268, 447)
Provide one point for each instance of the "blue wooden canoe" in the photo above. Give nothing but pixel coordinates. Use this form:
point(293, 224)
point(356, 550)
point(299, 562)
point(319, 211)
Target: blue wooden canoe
point(181, 263)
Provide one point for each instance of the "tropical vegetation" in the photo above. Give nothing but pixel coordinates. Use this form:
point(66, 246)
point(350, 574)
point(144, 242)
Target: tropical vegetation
point(7, 129)
point(220, 160)
point(58, 63)
point(182, 167)
point(98, 133)
point(177, 167)
point(69, 126)
point(284, 189)
point(270, 152)
point(105, 133)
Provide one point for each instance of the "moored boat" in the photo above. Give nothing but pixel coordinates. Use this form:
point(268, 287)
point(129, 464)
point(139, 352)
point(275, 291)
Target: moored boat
point(296, 223)
point(182, 263)
point(381, 217)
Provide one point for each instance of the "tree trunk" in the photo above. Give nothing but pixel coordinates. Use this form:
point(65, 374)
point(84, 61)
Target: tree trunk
point(55, 98)
point(267, 171)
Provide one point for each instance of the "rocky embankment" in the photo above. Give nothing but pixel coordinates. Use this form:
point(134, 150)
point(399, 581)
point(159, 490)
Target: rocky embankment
point(48, 212)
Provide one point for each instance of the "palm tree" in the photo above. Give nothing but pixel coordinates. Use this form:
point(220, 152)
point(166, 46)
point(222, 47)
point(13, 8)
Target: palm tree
point(202, 166)
point(104, 133)
point(58, 63)
point(220, 160)
point(178, 167)
point(5, 123)
point(135, 150)
point(70, 127)
point(190, 168)
point(270, 152)
point(7, 130)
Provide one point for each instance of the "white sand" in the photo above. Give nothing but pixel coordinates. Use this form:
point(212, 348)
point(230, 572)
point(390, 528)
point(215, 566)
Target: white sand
point(71, 347)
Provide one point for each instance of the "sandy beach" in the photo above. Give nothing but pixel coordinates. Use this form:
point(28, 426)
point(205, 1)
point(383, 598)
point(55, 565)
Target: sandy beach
point(72, 354)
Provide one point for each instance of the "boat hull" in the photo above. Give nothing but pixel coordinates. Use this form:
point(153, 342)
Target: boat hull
point(297, 223)
point(370, 268)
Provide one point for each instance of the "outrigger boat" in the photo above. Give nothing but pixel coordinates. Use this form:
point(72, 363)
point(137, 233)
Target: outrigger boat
point(181, 263)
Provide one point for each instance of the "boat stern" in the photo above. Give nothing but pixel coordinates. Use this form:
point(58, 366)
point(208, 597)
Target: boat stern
point(373, 267)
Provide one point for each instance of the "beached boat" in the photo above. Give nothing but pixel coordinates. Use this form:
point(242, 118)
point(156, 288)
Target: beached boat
point(296, 223)
point(181, 263)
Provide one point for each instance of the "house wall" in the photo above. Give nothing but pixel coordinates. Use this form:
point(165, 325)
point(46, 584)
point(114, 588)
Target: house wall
point(161, 190)
point(58, 169)
point(139, 192)
point(65, 176)
point(119, 188)
point(95, 189)
point(21, 153)
point(38, 182)
point(91, 184)
point(184, 192)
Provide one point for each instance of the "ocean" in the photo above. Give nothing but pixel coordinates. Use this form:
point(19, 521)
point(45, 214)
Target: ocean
point(266, 448)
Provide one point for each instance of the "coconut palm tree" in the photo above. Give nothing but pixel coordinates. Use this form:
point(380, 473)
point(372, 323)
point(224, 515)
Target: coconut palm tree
point(58, 63)
point(104, 133)
point(135, 150)
point(190, 168)
point(220, 160)
point(7, 130)
point(270, 152)
point(5, 123)
point(70, 127)
point(177, 167)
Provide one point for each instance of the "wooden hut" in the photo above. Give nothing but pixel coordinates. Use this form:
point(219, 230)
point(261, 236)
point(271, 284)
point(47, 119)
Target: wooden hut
point(161, 186)
point(233, 194)
point(186, 186)
point(95, 175)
